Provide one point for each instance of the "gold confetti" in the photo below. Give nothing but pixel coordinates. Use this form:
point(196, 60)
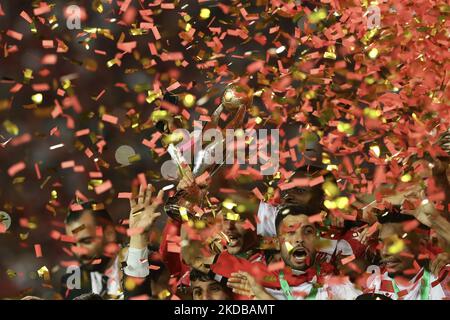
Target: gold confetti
point(27, 75)
point(98, 6)
point(241, 208)
point(37, 98)
point(33, 28)
point(11, 128)
point(233, 216)
point(11, 273)
point(23, 236)
point(18, 180)
point(317, 16)
point(183, 213)
point(152, 96)
point(174, 138)
point(325, 158)
point(229, 204)
point(342, 202)
point(298, 75)
point(329, 204)
point(372, 113)
point(205, 13)
point(134, 158)
point(159, 115)
point(406, 178)
point(138, 32)
point(52, 19)
point(164, 294)
point(66, 84)
point(373, 53)
point(345, 127)
point(200, 224)
point(130, 284)
point(32, 225)
point(112, 62)
point(376, 150)
point(288, 246)
point(331, 189)
point(43, 272)
point(311, 94)
point(189, 100)
point(369, 35)
point(330, 53)
point(396, 247)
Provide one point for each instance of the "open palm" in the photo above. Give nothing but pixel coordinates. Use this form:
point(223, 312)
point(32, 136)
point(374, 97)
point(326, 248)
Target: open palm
point(142, 213)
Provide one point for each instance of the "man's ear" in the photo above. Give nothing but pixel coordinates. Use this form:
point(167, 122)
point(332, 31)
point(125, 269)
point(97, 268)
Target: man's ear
point(109, 234)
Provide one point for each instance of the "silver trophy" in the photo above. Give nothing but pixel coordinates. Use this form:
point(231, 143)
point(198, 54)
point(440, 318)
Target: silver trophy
point(235, 99)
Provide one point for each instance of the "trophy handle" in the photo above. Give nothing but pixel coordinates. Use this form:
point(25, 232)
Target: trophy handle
point(177, 156)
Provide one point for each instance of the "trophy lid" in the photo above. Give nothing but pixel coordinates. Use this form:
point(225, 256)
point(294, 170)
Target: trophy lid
point(236, 96)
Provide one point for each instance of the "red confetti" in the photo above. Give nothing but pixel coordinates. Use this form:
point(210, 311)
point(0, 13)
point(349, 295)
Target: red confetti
point(38, 250)
point(16, 168)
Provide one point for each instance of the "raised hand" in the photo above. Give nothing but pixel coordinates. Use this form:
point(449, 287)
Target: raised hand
point(143, 215)
point(244, 284)
point(187, 180)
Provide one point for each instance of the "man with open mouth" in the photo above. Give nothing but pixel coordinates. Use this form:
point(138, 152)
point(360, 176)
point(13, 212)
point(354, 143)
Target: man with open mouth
point(304, 271)
point(238, 227)
point(300, 246)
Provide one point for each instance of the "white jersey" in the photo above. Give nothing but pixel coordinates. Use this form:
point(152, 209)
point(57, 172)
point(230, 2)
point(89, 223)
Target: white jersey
point(266, 228)
point(382, 284)
point(266, 220)
point(341, 291)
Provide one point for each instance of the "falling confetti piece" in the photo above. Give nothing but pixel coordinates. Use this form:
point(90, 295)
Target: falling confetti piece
point(16, 168)
point(110, 119)
point(103, 187)
point(38, 250)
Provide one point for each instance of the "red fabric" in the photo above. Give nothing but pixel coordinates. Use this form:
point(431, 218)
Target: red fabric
point(172, 259)
point(386, 285)
point(358, 248)
point(227, 264)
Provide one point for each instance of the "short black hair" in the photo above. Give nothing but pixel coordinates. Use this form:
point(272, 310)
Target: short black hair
point(196, 275)
point(296, 209)
point(98, 210)
point(394, 214)
point(311, 171)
